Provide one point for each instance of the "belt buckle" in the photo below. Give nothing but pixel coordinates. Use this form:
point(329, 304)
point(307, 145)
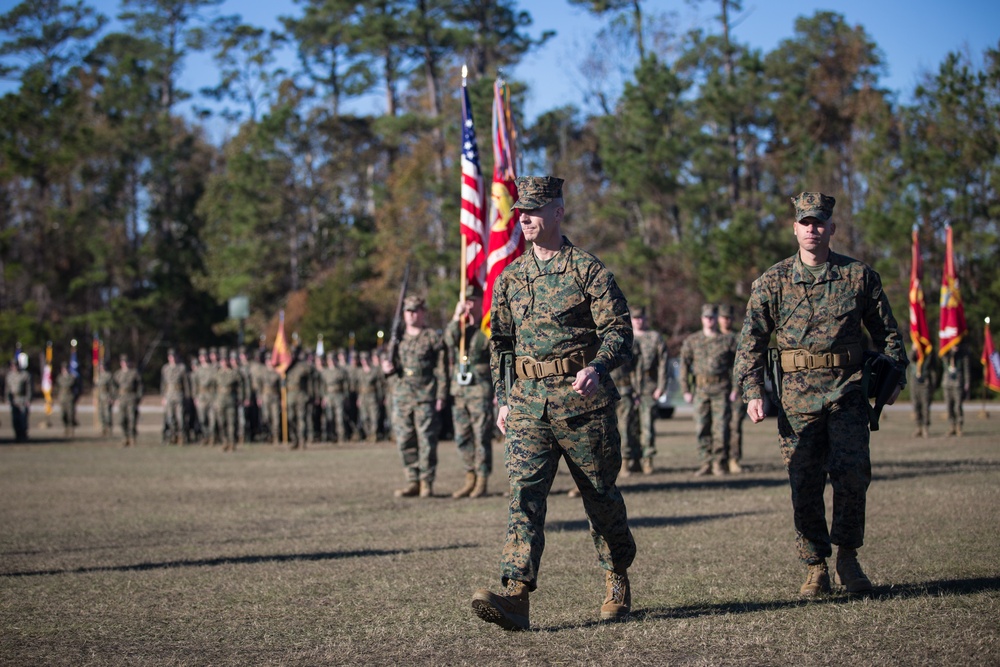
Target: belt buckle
point(536, 370)
point(800, 360)
point(559, 366)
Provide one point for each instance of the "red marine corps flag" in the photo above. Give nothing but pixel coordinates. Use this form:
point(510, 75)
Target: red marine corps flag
point(506, 240)
point(920, 334)
point(472, 220)
point(953, 328)
point(991, 362)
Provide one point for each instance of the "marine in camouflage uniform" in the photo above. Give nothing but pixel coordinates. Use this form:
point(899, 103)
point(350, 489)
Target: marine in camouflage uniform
point(923, 381)
point(269, 395)
point(737, 407)
point(650, 383)
point(707, 359)
point(106, 398)
point(420, 387)
point(815, 304)
point(471, 394)
point(205, 389)
point(300, 388)
point(559, 313)
point(17, 390)
point(174, 391)
point(336, 383)
point(229, 397)
point(67, 390)
point(128, 388)
point(625, 379)
point(371, 389)
point(955, 383)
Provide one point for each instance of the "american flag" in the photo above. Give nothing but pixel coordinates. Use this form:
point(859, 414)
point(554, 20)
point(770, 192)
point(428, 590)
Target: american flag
point(473, 218)
point(506, 240)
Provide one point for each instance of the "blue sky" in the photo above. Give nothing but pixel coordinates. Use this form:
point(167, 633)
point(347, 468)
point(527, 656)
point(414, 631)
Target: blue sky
point(914, 36)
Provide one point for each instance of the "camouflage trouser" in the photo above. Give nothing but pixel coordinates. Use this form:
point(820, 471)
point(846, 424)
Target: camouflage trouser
point(953, 397)
point(19, 420)
point(271, 413)
point(647, 436)
point(833, 442)
point(68, 410)
point(105, 409)
point(712, 414)
point(128, 415)
point(173, 418)
point(628, 425)
point(416, 428)
point(592, 449)
point(474, 432)
point(739, 412)
point(207, 417)
point(299, 419)
point(334, 422)
point(921, 394)
point(228, 422)
point(368, 415)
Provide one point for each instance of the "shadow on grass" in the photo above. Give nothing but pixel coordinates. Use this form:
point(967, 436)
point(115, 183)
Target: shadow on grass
point(894, 470)
point(650, 521)
point(895, 592)
point(734, 482)
point(238, 560)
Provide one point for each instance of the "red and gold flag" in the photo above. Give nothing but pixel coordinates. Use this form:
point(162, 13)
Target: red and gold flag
point(506, 239)
point(472, 219)
point(953, 328)
point(920, 334)
point(991, 361)
point(281, 356)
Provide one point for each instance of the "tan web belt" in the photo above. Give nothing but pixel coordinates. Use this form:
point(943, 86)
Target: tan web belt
point(528, 368)
point(706, 380)
point(800, 360)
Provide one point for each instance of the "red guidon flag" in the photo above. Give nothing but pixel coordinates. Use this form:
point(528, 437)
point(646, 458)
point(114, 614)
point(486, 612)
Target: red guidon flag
point(506, 239)
point(920, 334)
point(953, 328)
point(473, 217)
point(281, 356)
point(991, 362)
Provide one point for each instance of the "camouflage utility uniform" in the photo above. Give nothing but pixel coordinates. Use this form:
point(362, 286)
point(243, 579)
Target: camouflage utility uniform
point(128, 385)
point(371, 390)
point(955, 382)
point(650, 382)
point(708, 361)
point(106, 399)
point(18, 393)
point(541, 312)
point(336, 381)
point(421, 381)
point(628, 412)
point(472, 402)
point(230, 394)
point(67, 390)
point(175, 390)
point(924, 381)
point(823, 416)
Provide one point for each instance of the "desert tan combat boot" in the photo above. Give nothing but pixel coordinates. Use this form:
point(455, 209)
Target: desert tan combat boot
point(411, 490)
point(618, 597)
point(470, 484)
point(734, 466)
point(647, 465)
point(717, 468)
point(817, 581)
point(703, 470)
point(625, 472)
point(426, 489)
point(480, 489)
point(849, 572)
point(508, 610)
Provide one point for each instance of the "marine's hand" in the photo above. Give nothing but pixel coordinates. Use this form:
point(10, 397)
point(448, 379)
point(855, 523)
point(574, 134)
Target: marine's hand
point(688, 397)
point(755, 410)
point(502, 419)
point(586, 381)
point(387, 367)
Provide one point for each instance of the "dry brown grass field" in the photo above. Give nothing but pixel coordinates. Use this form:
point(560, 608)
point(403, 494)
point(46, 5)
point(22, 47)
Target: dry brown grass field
point(159, 555)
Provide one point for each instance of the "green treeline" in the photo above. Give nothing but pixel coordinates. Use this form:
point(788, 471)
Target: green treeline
point(120, 217)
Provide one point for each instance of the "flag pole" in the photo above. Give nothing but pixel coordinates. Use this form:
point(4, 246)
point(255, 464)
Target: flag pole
point(983, 414)
point(463, 278)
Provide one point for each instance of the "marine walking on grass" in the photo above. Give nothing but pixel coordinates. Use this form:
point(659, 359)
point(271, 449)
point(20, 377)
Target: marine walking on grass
point(815, 303)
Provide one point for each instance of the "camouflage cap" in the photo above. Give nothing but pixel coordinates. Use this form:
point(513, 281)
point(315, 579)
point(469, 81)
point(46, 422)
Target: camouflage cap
point(537, 191)
point(708, 310)
point(413, 303)
point(202, 352)
point(639, 312)
point(171, 352)
point(813, 205)
point(123, 357)
point(726, 310)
